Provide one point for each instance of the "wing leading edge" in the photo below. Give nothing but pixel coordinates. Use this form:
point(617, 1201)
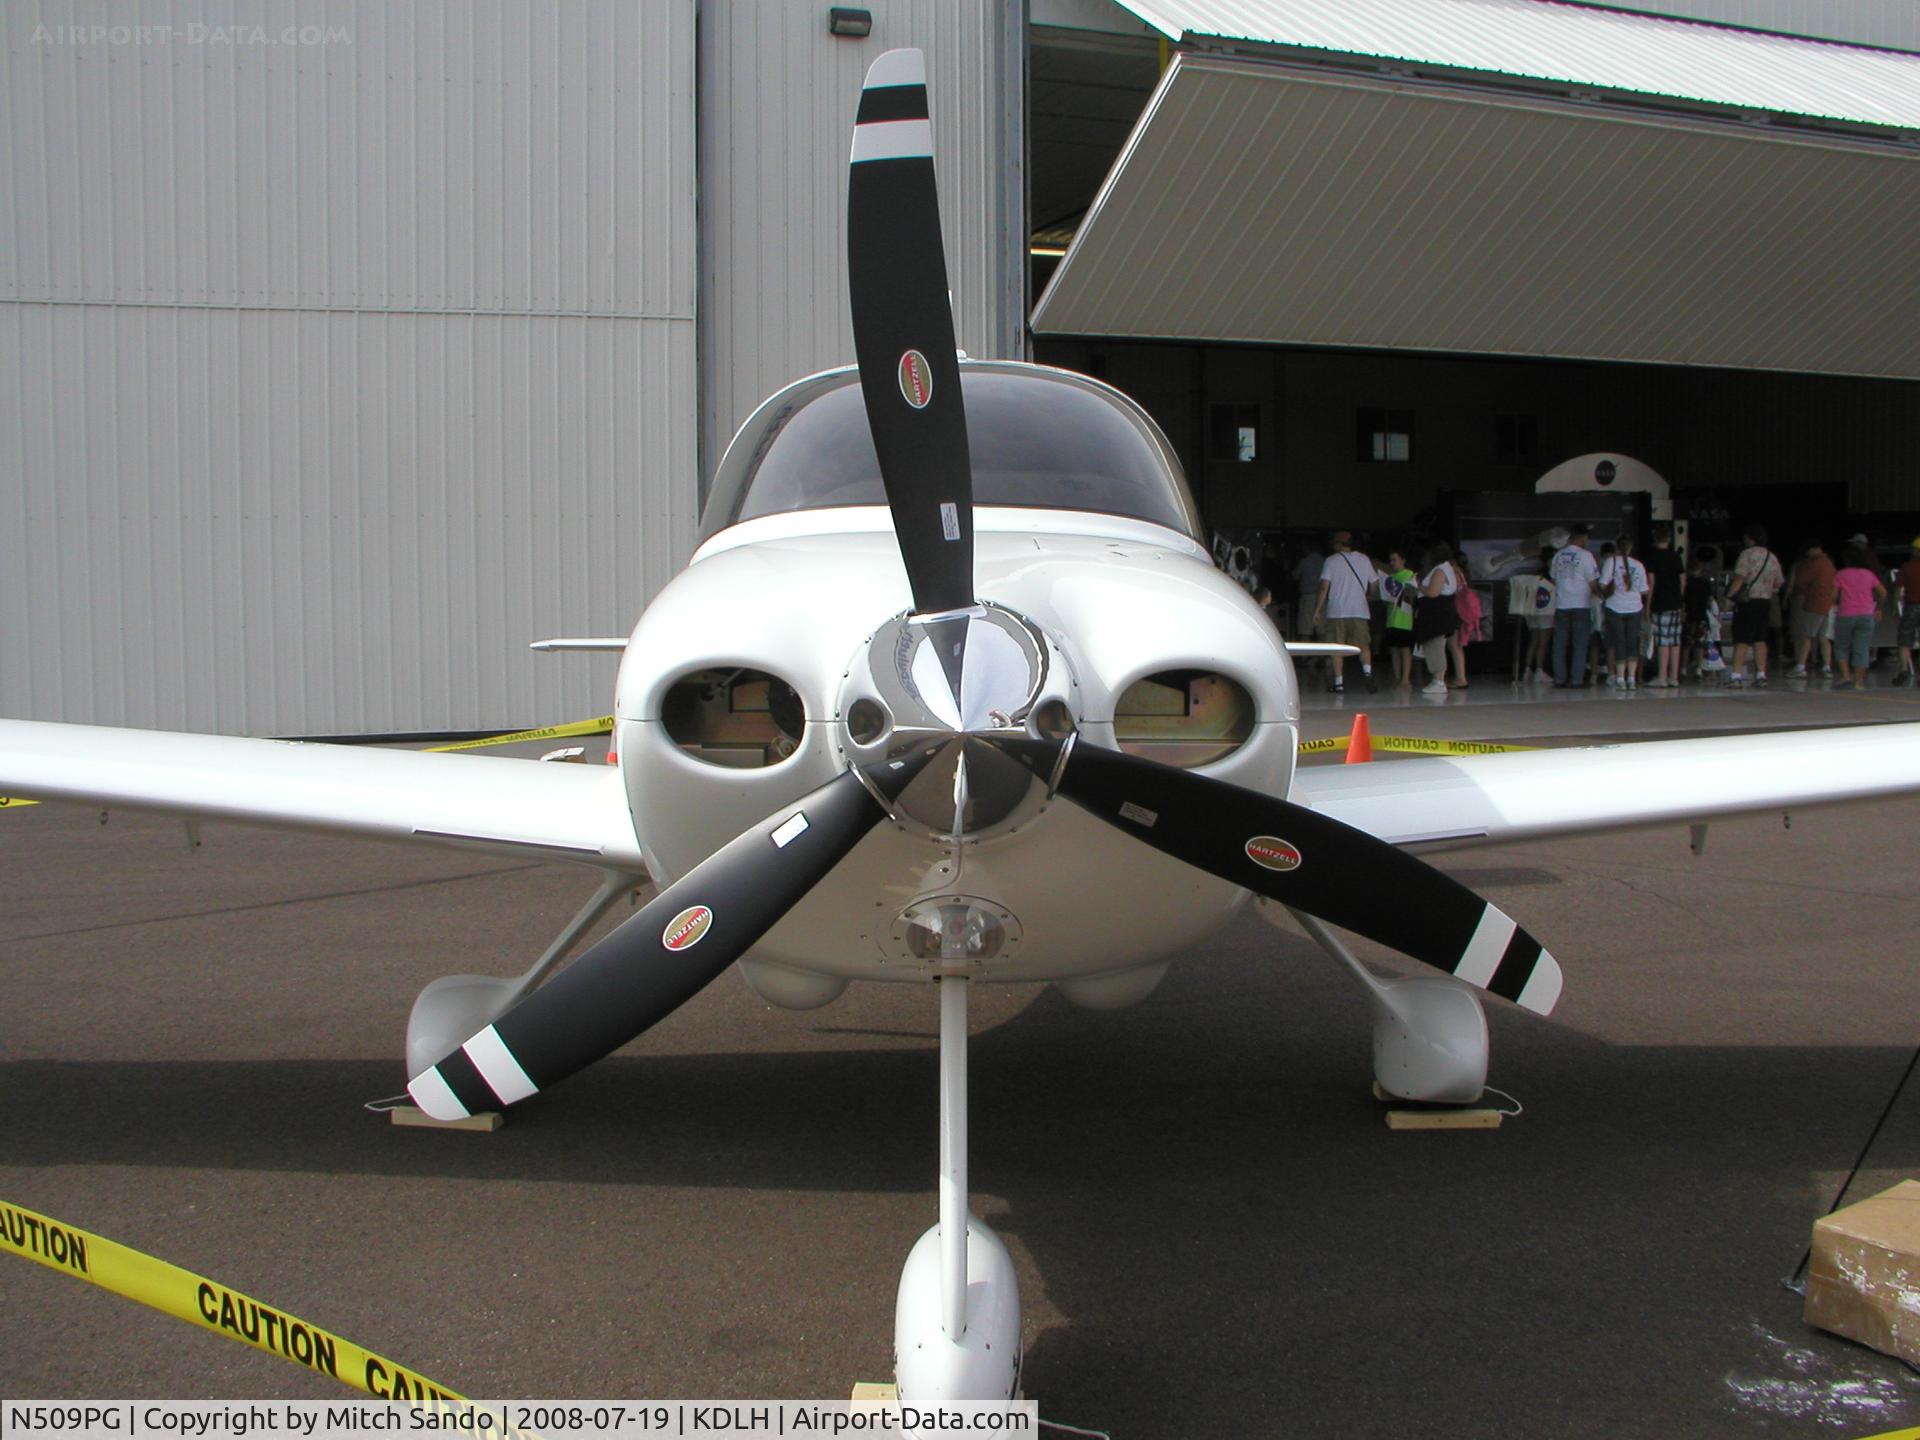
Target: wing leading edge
point(1492, 799)
point(517, 807)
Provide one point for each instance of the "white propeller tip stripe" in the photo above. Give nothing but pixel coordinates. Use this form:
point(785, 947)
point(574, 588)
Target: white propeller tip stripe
point(498, 1067)
point(897, 67)
point(432, 1094)
point(1542, 990)
point(893, 140)
point(1483, 952)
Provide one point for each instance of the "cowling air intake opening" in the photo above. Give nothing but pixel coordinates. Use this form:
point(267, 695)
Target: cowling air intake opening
point(738, 717)
point(1183, 718)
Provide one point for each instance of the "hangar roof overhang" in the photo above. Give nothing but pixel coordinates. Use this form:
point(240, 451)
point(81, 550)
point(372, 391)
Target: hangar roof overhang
point(1626, 188)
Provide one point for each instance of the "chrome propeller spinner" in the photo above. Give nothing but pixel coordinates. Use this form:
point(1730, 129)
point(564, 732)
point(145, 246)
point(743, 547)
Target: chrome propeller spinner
point(940, 686)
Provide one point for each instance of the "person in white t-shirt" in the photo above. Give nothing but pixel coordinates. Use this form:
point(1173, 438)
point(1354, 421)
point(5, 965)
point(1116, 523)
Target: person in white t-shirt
point(1624, 584)
point(1574, 572)
point(1341, 612)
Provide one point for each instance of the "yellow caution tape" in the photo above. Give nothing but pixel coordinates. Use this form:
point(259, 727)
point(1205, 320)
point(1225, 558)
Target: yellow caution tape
point(1414, 745)
point(211, 1306)
point(600, 725)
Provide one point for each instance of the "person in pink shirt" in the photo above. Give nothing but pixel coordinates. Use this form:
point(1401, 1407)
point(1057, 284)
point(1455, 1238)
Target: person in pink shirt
point(1856, 609)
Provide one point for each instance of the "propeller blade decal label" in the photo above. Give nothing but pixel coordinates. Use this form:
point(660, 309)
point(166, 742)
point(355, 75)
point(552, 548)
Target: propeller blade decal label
point(688, 928)
point(949, 520)
point(1273, 853)
point(916, 379)
point(1139, 814)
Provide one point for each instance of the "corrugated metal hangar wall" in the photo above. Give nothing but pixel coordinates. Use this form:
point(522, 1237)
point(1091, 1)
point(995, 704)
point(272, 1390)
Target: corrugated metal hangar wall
point(345, 348)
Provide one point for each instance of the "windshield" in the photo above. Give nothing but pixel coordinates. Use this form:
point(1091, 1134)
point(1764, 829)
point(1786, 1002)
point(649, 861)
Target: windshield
point(1038, 440)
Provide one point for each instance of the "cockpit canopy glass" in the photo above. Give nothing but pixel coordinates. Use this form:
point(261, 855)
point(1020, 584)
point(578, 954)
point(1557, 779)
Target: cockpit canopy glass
point(1038, 439)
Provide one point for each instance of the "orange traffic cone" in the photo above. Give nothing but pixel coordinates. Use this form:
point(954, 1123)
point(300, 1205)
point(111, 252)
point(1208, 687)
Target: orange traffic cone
point(1360, 746)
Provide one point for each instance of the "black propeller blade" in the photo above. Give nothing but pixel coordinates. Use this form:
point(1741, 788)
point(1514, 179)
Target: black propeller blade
point(669, 951)
point(903, 334)
point(1306, 860)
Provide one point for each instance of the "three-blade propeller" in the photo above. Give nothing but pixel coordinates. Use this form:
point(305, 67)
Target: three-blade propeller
point(698, 926)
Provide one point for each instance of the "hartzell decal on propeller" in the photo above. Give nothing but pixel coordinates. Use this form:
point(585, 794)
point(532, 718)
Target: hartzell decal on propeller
point(884, 727)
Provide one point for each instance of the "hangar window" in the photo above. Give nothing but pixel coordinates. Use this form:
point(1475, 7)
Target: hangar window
point(1233, 433)
point(1516, 440)
point(1385, 435)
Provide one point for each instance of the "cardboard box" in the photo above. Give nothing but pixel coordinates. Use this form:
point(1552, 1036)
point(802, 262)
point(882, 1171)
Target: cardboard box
point(1864, 1279)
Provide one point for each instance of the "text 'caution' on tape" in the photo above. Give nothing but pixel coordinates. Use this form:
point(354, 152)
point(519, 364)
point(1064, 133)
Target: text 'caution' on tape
point(210, 1305)
point(1414, 745)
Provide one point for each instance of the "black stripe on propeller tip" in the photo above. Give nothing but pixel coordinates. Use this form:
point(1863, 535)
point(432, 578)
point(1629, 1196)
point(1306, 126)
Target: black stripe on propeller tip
point(903, 334)
point(1308, 861)
point(664, 955)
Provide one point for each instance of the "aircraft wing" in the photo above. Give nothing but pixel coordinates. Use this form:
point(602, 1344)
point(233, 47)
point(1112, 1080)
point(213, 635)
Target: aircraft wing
point(1491, 799)
point(516, 807)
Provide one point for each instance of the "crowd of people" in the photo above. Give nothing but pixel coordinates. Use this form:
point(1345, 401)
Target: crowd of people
point(1616, 617)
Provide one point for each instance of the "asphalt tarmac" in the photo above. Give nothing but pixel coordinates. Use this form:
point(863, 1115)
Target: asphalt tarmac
point(1215, 1232)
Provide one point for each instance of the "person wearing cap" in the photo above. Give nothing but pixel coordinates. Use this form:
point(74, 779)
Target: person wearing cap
point(1907, 582)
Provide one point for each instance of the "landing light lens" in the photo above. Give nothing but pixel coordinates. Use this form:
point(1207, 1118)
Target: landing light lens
point(954, 931)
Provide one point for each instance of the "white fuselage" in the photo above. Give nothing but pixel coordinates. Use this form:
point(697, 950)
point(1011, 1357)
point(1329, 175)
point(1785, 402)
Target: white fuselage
point(798, 595)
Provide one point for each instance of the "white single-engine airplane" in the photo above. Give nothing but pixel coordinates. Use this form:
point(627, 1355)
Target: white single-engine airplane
point(951, 691)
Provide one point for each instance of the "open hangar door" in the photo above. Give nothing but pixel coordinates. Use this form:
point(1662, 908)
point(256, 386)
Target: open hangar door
point(1535, 265)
